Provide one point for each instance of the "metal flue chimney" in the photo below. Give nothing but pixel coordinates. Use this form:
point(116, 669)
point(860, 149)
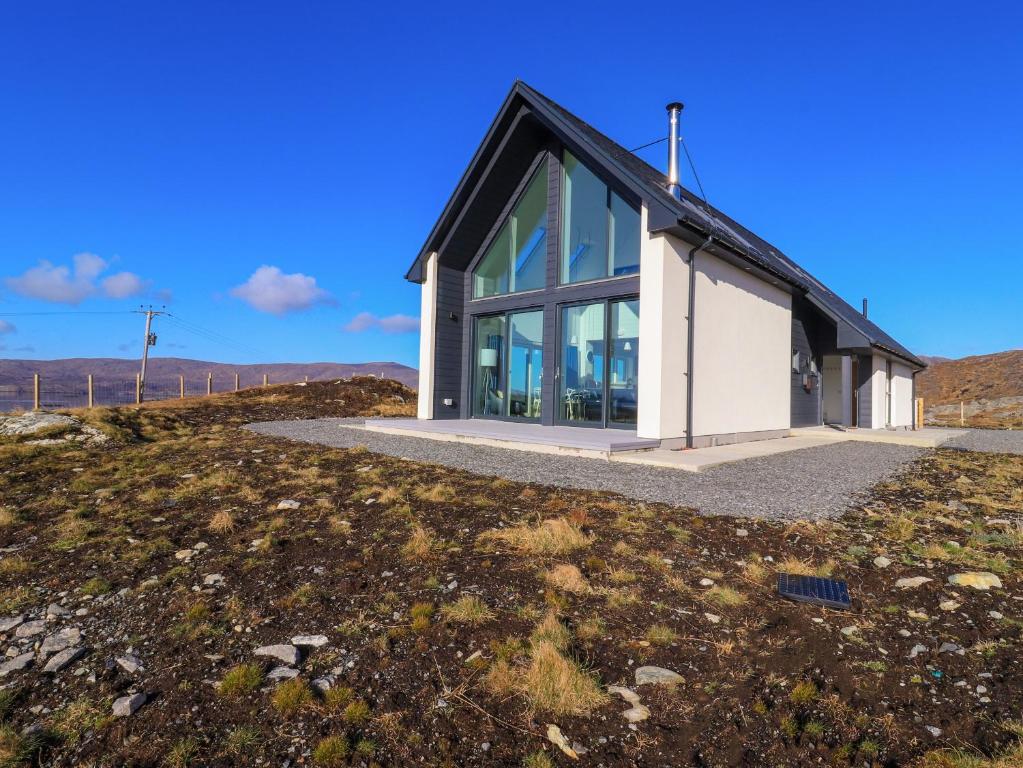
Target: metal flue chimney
point(864, 307)
point(674, 113)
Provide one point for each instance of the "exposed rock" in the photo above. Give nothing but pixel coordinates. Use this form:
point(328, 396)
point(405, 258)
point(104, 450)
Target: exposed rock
point(129, 663)
point(637, 712)
point(309, 641)
point(741, 532)
point(289, 654)
point(323, 684)
point(282, 673)
point(948, 605)
point(912, 581)
point(54, 610)
point(916, 650)
point(31, 628)
point(60, 641)
point(713, 618)
point(128, 705)
point(882, 561)
point(288, 504)
point(996, 615)
point(34, 421)
point(657, 675)
point(706, 582)
point(982, 580)
point(6, 625)
point(184, 554)
point(64, 659)
point(213, 580)
point(557, 738)
point(850, 630)
point(951, 648)
point(16, 664)
point(935, 732)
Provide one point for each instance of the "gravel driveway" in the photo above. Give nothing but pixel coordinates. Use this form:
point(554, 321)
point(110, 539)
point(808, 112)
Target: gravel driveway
point(989, 441)
point(809, 483)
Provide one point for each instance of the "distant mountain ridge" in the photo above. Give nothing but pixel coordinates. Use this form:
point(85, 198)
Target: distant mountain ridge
point(979, 377)
point(164, 371)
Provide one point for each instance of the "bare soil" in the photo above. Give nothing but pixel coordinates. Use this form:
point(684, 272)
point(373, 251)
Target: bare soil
point(380, 554)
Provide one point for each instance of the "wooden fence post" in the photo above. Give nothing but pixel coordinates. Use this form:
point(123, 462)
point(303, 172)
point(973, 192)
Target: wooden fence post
point(266, 379)
point(90, 391)
point(236, 382)
point(138, 389)
point(962, 414)
point(307, 378)
point(35, 391)
point(209, 383)
point(181, 386)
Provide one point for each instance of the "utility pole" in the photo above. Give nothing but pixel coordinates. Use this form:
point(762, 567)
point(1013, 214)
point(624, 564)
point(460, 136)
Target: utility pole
point(150, 341)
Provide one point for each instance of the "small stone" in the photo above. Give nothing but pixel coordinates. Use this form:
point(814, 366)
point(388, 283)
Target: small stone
point(916, 650)
point(657, 675)
point(948, 605)
point(309, 641)
point(950, 648)
point(282, 673)
point(16, 664)
point(982, 580)
point(213, 580)
point(129, 663)
point(54, 610)
point(64, 659)
point(323, 684)
point(935, 732)
point(850, 630)
point(918, 615)
point(288, 504)
point(557, 738)
point(706, 582)
point(31, 628)
point(741, 532)
point(128, 705)
point(904, 633)
point(287, 653)
point(912, 581)
point(981, 689)
point(6, 625)
point(199, 546)
point(882, 561)
point(452, 586)
point(184, 554)
point(59, 641)
point(713, 618)
point(996, 615)
point(638, 712)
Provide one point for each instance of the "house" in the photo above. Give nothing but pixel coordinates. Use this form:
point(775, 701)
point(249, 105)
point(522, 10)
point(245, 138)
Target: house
point(569, 283)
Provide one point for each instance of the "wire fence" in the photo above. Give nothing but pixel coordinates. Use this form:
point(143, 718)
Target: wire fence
point(44, 393)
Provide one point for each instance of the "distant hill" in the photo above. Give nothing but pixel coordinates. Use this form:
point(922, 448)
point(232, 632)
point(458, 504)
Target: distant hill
point(981, 377)
point(164, 371)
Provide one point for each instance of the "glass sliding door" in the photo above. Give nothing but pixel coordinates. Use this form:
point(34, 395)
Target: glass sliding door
point(599, 364)
point(623, 378)
point(508, 365)
point(583, 352)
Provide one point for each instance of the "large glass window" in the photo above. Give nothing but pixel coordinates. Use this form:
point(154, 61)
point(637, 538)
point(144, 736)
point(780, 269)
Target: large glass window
point(517, 258)
point(599, 366)
point(508, 364)
point(599, 230)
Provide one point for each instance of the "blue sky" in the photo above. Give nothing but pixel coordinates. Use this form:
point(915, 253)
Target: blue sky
point(269, 170)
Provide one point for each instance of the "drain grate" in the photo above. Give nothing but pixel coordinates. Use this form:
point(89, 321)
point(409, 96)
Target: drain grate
point(816, 591)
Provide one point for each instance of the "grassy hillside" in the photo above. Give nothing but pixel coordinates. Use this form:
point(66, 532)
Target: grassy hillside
point(972, 378)
point(472, 621)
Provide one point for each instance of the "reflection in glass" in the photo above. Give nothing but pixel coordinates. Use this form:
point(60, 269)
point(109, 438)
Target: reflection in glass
point(488, 379)
point(583, 225)
point(525, 364)
point(624, 255)
point(624, 364)
point(581, 387)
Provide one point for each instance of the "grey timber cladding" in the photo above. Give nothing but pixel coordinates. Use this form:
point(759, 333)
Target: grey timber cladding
point(448, 350)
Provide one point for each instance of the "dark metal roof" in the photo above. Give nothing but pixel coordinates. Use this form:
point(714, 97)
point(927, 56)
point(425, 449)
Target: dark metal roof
point(690, 212)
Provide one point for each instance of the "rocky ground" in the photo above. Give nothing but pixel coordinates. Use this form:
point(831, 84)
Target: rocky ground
point(985, 413)
point(180, 591)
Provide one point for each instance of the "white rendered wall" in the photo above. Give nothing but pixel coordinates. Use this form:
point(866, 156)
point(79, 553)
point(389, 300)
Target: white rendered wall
point(902, 395)
point(427, 337)
point(878, 374)
point(847, 388)
point(663, 293)
point(743, 351)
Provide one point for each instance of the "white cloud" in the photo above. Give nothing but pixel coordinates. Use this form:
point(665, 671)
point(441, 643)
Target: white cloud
point(124, 284)
point(6, 327)
point(72, 285)
point(270, 290)
point(367, 321)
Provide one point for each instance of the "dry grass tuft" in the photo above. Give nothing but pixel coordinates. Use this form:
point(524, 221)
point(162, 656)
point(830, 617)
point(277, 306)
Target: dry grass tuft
point(900, 528)
point(241, 679)
point(422, 544)
point(551, 630)
point(438, 493)
point(7, 517)
point(222, 522)
point(797, 567)
point(661, 634)
point(567, 578)
point(724, 597)
point(467, 610)
point(556, 684)
point(291, 697)
point(551, 537)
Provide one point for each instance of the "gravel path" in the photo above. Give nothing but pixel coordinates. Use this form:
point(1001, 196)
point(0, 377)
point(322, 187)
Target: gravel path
point(989, 441)
point(809, 483)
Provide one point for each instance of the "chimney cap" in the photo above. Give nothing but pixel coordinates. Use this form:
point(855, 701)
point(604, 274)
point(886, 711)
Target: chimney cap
point(675, 105)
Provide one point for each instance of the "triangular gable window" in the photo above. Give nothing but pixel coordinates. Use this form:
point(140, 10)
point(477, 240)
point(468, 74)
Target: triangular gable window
point(517, 258)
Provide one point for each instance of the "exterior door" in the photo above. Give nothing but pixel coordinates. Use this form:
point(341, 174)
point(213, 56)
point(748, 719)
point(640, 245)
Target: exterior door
point(854, 392)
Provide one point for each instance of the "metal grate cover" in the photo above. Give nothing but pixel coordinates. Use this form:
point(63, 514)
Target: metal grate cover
point(816, 591)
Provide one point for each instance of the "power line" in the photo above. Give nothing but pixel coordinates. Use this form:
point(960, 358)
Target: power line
point(650, 144)
point(68, 312)
point(693, 167)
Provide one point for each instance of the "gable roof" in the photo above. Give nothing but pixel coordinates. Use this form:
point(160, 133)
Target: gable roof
point(855, 330)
